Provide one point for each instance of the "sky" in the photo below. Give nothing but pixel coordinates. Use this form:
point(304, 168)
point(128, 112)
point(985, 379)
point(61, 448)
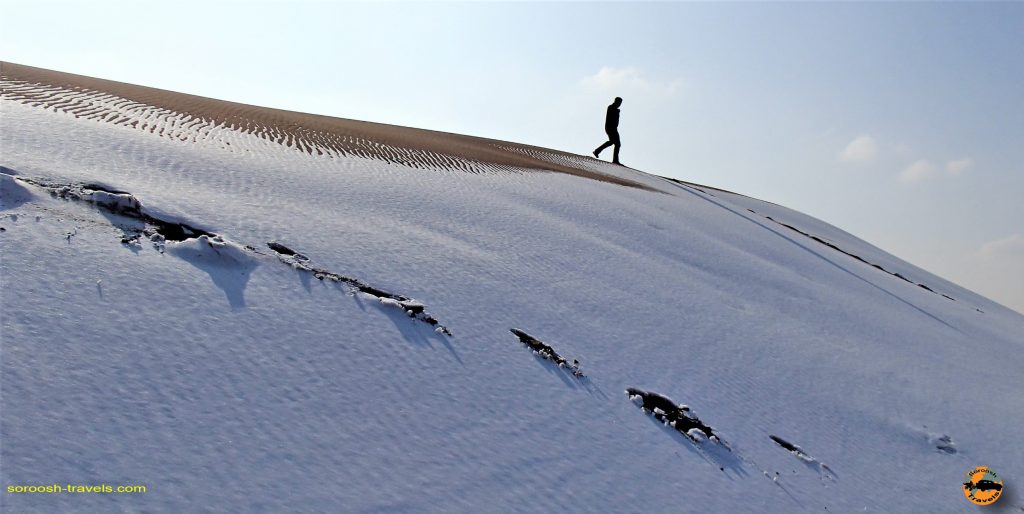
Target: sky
point(902, 123)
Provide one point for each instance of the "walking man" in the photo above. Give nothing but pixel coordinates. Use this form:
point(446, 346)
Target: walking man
point(611, 127)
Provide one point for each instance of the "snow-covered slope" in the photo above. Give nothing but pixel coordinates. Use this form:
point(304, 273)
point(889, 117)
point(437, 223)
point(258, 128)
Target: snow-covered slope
point(253, 310)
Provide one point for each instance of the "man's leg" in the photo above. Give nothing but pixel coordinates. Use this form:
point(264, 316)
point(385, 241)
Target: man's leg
point(602, 147)
point(618, 144)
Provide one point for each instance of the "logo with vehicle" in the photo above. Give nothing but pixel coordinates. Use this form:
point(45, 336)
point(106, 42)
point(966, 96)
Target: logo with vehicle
point(983, 486)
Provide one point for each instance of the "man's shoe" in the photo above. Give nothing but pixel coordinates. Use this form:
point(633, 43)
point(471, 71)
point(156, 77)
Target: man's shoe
point(596, 156)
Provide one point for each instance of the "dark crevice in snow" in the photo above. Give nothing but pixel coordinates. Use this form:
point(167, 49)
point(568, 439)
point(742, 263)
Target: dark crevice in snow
point(677, 416)
point(943, 443)
point(411, 307)
point(159, 231)
point(857, 257)
point(815, 238)
point(710, 198)
point(284, 250)
point(799, 453)
point(702, 188)
point(548, 353)
point(107, 199)
point(96, 186)
point(794, 449)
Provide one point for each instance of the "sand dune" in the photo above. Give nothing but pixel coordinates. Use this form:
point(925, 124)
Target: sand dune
point(191, 118)
point(248, 309)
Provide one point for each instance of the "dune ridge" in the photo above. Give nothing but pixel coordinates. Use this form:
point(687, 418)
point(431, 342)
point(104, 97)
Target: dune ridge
point(193, 118)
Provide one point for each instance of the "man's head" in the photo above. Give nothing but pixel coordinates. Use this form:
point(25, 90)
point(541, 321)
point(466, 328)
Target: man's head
point(617, 102)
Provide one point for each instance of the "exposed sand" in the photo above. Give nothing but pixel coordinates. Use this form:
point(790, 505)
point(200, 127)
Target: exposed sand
point(183, 116)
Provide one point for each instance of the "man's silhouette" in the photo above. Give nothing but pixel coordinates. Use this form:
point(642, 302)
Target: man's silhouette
point(611, 127)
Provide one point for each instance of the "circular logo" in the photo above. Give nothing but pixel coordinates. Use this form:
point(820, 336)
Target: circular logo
point(983, 486)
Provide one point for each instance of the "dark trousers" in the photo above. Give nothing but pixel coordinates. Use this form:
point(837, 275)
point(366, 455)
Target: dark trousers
point(613, 139)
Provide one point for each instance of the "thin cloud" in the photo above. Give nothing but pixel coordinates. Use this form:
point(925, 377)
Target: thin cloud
point(629, 79)
point(958, 167)
point(861, 149)
point(917, 172)
point(1010, 247)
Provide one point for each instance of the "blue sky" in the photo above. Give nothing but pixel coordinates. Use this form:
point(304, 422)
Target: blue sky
point(902, 123)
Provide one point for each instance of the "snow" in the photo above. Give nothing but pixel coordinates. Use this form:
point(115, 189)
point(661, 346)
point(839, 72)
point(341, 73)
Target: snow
point(114, 201)
point(222, 377)
point(696, 434)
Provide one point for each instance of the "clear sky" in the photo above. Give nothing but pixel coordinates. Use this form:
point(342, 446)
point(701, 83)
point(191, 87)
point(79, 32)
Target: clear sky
point(902, 123)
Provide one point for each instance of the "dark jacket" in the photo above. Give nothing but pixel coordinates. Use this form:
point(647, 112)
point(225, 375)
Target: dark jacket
point(611, 120)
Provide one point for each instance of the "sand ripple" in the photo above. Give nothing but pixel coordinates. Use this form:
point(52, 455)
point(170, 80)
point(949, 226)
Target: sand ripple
point(196, 119)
